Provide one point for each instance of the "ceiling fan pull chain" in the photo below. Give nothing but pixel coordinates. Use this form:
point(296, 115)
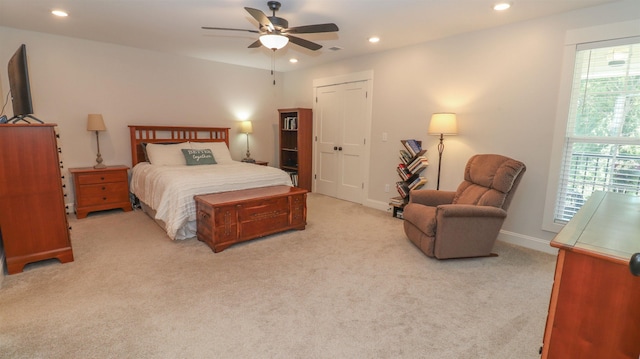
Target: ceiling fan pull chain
point(273, 66)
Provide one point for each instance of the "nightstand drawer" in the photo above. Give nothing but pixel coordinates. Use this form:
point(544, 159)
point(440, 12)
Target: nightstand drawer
point(105, 177)
point(89, 195)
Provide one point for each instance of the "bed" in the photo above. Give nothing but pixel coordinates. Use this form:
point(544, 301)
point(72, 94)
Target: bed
point(167, 172)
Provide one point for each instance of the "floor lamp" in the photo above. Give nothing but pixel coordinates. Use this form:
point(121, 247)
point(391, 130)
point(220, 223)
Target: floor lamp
point(443, 123)
point(247, 128)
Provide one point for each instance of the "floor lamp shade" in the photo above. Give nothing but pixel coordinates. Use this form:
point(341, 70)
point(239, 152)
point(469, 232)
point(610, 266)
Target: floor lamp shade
point(443, 123)
point(95, 122)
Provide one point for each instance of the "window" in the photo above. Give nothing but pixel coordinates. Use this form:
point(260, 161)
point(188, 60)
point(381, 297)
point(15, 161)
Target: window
point(602, 142)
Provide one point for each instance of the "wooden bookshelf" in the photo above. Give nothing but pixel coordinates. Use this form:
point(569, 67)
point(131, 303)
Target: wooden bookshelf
point(412, 163)
point(295, 147)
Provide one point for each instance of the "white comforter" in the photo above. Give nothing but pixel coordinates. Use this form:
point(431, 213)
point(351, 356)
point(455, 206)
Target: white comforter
point(169, 190)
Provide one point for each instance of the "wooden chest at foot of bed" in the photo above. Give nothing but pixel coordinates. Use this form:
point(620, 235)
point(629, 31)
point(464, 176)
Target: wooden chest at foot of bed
point(232, 217)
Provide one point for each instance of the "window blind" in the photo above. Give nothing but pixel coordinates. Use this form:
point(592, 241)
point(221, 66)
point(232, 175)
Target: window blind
point(602, 142)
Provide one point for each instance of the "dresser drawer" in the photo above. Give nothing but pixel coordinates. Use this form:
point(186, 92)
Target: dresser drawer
point(105, 177)
point(92, 194)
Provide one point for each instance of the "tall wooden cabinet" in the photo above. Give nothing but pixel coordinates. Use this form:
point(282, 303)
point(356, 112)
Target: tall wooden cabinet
point(296, 145)
point(33, 219)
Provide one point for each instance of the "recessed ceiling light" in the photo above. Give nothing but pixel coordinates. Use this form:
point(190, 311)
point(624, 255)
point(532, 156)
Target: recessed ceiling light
point(59, 13)
point(293, 60)
point(374, 39)
point(501, 6)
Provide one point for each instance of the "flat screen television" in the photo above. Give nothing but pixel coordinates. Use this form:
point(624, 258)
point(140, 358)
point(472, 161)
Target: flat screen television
point(19, 86)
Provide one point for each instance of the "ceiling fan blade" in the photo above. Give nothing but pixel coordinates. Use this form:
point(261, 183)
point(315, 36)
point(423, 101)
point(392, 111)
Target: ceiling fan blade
point(228, 29)
point(255, 44)
point(304, 43)
point(262, 19)
point(310, 29)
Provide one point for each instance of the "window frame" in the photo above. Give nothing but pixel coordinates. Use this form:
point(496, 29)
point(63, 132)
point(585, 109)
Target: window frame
point(573, 40)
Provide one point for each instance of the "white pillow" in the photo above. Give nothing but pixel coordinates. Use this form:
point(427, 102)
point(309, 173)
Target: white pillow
point(219, 149)
point(167, 155)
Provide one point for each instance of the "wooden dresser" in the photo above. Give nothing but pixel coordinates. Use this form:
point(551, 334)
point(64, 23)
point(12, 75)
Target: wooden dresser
point(100, 189)
point(33, 218)
point(594, 310)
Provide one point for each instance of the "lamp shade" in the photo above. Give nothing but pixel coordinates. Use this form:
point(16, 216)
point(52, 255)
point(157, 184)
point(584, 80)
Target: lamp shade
point(274, 42)
point(95, 123)
point(443, 124)
point(246, 127)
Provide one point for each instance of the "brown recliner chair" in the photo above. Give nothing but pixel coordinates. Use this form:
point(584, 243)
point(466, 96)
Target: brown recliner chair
point(464, 223)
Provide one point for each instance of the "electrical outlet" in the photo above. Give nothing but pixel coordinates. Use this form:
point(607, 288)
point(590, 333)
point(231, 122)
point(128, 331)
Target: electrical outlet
point(384, 137)
point(386, 187)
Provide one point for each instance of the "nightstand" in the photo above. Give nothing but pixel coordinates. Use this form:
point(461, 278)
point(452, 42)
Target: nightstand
point(262, 163)
point(100, 189)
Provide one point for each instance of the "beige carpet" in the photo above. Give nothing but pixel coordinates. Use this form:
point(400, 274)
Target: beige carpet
point(349, 286)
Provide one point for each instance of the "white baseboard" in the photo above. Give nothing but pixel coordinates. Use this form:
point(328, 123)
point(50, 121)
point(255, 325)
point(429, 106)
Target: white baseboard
point(505, 236)
point(383, 206)
point(527, 242)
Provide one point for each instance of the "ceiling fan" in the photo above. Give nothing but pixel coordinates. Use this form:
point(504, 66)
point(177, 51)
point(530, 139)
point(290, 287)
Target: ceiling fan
point(275, 32)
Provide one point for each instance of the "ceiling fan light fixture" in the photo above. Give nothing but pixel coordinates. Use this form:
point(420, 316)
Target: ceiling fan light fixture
point(274, 41)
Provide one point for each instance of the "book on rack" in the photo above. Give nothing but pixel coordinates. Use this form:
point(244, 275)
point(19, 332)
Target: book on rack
point(418, 164)
point(417, 183)
point(415, 146)
point(397, 201)
point(403, 172)
point(405, 156)
point(406, 145)
point(402, 188)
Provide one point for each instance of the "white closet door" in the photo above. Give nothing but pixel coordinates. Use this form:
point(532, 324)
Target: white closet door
point(342, 115)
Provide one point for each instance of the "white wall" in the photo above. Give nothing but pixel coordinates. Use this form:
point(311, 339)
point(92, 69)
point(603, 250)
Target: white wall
point(71, 78)
point(503, 83)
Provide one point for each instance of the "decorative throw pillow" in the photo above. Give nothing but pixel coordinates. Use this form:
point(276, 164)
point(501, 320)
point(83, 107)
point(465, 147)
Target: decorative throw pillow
point(219, 149)
point(198, 157)
point(166, 154)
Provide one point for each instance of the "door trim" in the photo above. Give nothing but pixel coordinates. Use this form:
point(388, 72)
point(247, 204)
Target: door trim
point(338, 80)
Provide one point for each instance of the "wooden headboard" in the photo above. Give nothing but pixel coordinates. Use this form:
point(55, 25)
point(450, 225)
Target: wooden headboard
point(169, 134)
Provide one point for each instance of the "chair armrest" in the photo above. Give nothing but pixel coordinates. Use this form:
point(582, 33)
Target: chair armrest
point(468, 210)
point(431, 197)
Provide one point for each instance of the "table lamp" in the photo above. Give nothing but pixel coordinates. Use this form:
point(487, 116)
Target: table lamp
point(247, 128)
point(96, 123)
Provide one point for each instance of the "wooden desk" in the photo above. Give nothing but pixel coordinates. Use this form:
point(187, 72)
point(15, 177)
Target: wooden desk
point(594, 310)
